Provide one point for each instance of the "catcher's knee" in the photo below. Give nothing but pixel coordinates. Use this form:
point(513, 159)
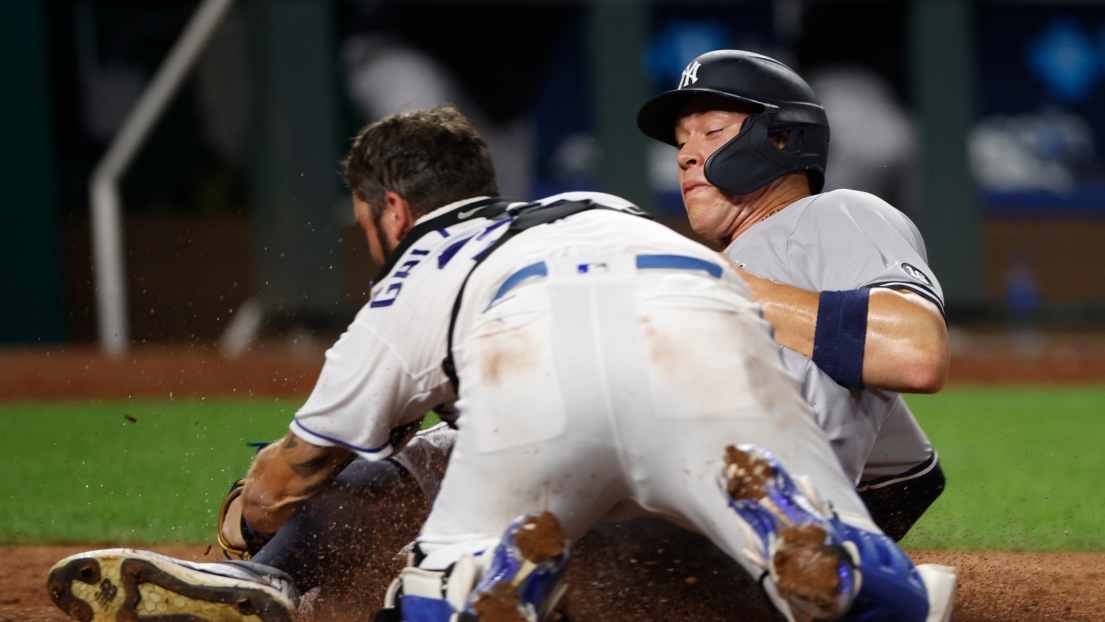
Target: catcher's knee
point(896, 503)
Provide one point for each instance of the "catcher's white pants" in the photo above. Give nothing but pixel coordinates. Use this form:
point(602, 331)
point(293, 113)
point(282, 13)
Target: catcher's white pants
point(592, 393)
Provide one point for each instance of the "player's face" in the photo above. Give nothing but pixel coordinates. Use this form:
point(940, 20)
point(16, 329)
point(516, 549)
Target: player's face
point(377, 243)
point(700, 131)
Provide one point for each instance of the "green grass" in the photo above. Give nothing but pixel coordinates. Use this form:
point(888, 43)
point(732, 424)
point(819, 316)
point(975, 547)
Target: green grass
point(87, 474)
point(1026, 468)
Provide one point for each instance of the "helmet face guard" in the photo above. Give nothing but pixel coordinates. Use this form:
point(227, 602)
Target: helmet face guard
point(783, 103)
point(751, 160)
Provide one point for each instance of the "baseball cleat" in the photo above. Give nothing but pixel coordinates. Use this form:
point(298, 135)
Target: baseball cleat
point(893, 589)
point(522, 583)
point(119, 585)
point(800, 548)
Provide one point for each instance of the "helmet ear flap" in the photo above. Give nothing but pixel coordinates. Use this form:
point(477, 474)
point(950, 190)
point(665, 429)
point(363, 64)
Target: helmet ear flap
point(817, 180)
point(809, 143)
point(751, 160)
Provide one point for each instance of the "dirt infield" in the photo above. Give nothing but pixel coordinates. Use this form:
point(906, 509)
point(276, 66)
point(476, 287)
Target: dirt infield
point(1006, 587)
point(623, 580)
point(83, 373)
point(281, 369)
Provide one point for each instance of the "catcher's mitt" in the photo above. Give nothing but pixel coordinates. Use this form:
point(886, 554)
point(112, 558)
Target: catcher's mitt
point(234, 535)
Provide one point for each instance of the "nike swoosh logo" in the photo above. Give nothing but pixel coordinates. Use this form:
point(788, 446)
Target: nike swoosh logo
point(468, 213)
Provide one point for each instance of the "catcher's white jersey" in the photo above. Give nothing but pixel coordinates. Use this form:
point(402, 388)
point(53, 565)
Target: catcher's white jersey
point(385, 371)
point(844, 240)
point(605, 362)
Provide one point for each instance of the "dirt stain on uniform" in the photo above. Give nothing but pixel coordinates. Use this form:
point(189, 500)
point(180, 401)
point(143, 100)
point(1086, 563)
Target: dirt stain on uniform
point(695, 362)
point(669, 353)
point(720, 362)
point(507, 353)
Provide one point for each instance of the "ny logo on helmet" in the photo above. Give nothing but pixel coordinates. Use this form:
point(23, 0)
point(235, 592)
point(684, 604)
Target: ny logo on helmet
point(690, 74)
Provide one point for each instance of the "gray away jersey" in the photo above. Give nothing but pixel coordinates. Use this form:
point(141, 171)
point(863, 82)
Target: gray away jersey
point(845, 240)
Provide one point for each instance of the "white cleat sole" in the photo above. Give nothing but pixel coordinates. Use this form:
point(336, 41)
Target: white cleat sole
point(126, 585)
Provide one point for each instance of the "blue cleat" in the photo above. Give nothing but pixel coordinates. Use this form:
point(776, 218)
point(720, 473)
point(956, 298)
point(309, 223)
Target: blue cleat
point(523, 581)
point(893, 589)
point(802, 550)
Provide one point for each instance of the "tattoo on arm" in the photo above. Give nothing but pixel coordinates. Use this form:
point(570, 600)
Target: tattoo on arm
point(308, 468)
point(315, 468)
point(317, 487)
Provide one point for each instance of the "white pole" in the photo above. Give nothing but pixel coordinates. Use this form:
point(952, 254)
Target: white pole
point(107, 238)
point(107, 261)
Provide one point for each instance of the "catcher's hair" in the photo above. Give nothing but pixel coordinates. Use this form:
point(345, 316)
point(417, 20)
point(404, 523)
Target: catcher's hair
point(429, 157)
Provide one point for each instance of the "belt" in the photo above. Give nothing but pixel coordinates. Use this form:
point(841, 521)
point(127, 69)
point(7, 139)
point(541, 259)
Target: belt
point(644, 262)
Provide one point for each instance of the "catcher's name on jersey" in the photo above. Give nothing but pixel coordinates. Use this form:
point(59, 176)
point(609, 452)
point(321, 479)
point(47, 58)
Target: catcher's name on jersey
point(386, 370)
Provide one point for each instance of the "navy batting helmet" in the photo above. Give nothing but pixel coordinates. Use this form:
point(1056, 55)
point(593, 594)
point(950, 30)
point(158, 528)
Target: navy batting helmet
point(783, 103)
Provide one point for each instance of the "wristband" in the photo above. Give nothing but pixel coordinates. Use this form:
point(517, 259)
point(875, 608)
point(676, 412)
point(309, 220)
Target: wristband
point(840, 335)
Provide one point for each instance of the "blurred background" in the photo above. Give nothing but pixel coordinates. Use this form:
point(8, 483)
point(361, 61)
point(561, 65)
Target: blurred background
point(210, 133)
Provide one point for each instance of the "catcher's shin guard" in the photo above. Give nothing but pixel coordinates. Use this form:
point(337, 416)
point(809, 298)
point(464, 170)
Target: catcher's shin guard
point(809, 568)
point(523, 580)
point(125, 584)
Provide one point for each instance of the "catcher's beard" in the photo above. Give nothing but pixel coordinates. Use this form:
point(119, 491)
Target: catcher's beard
point(381, 238)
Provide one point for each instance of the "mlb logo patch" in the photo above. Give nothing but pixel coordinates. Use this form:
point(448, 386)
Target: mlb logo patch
point(591, 268)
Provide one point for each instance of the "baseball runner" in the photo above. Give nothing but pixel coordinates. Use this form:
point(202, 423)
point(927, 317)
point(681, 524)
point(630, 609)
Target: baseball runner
point(583, 369)
point(842, 276)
